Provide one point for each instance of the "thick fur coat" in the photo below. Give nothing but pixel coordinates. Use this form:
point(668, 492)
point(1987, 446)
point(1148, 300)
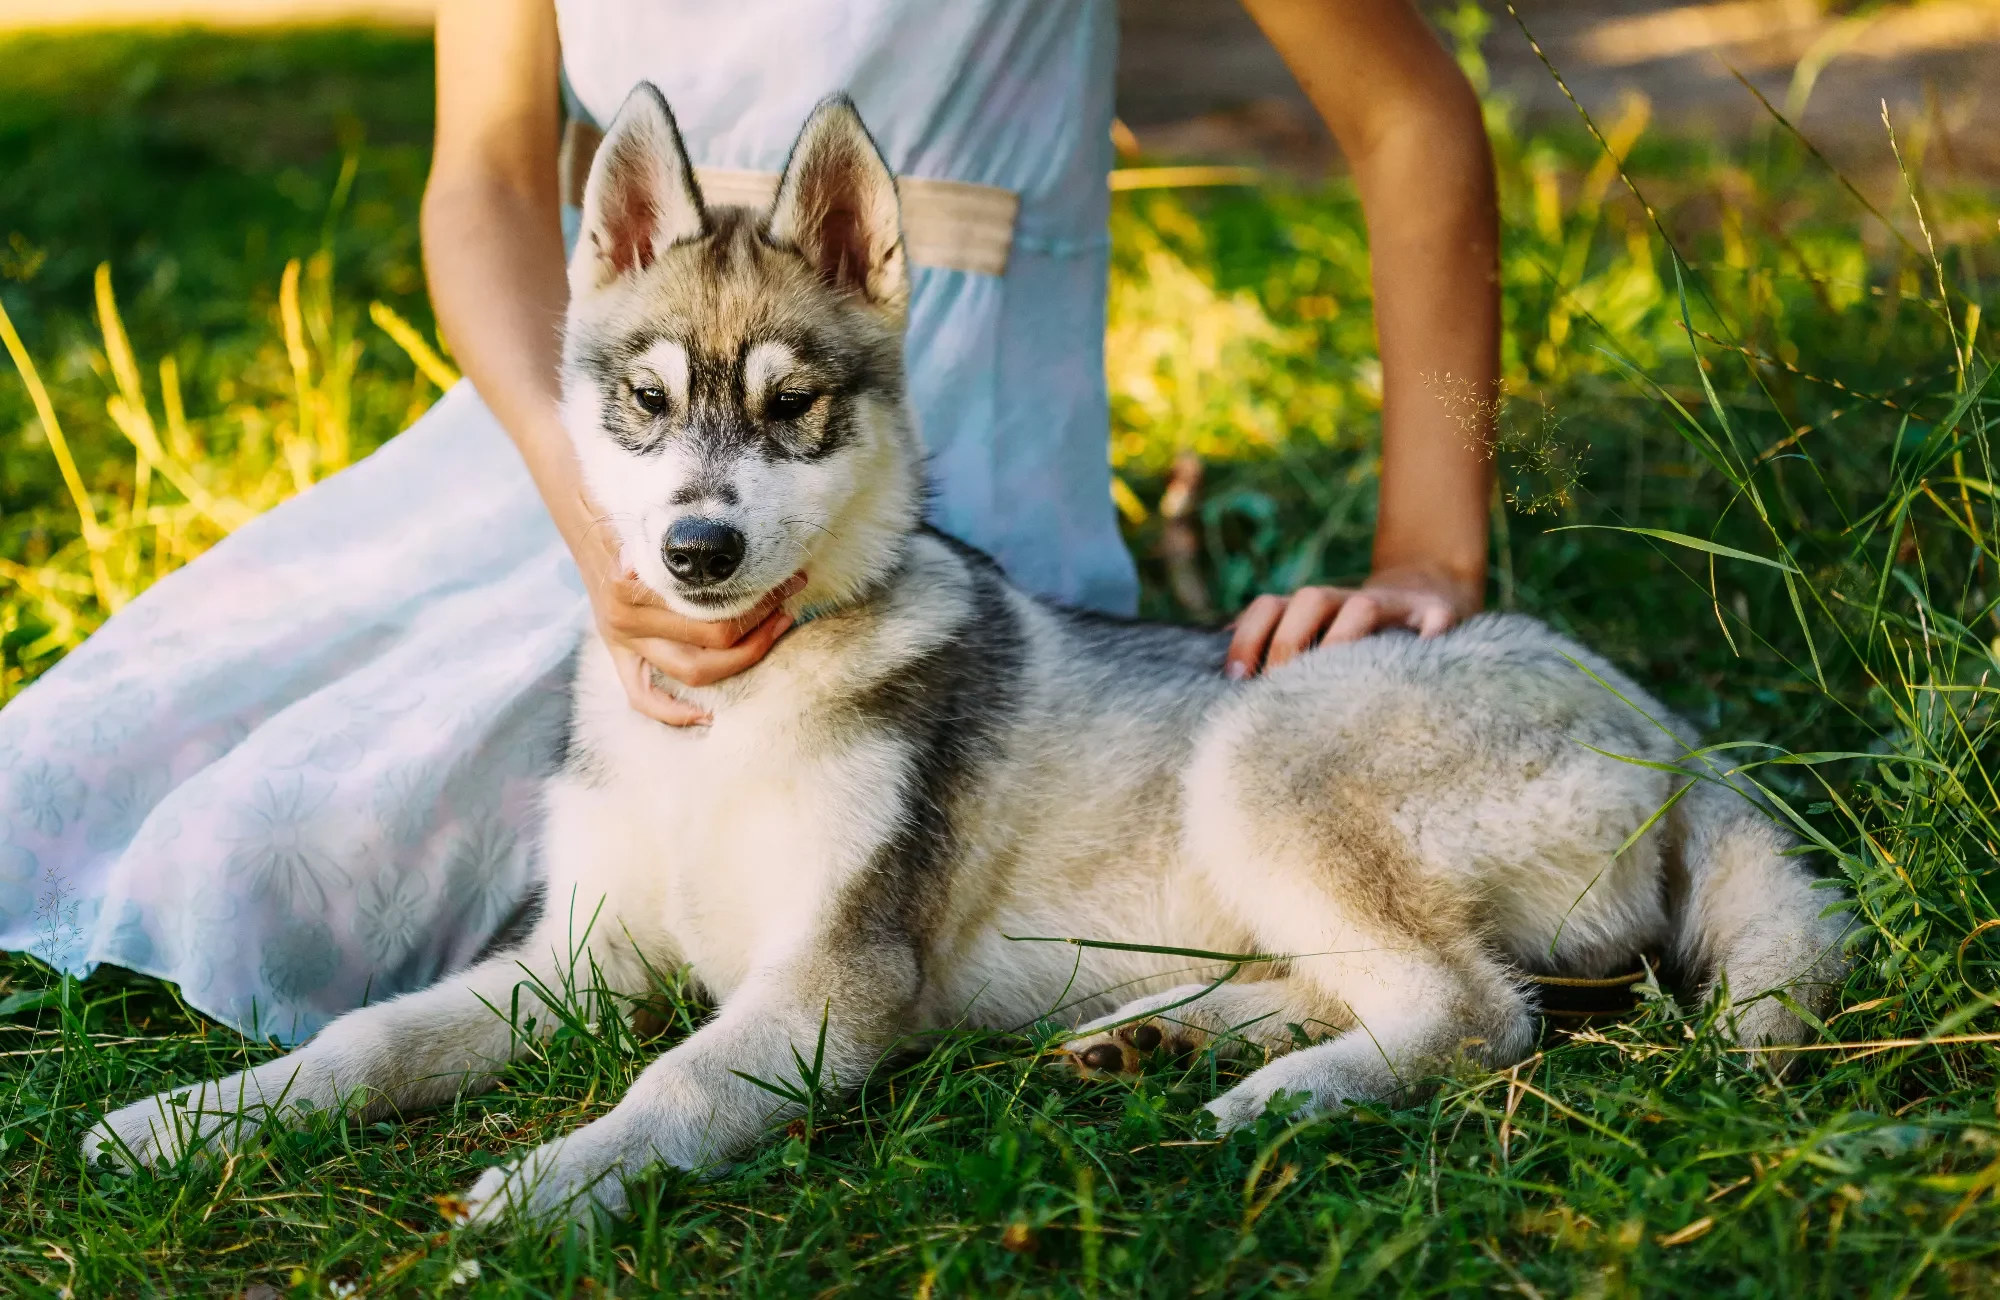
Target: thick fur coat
point(934, 764)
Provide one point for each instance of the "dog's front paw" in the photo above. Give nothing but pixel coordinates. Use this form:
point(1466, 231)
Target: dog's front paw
point(564, 1181)
point(157, 1132)
point(1239, 1108)
point(1284, 1086)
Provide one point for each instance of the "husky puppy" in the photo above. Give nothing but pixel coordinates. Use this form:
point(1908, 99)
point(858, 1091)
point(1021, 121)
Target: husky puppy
point(935, 761)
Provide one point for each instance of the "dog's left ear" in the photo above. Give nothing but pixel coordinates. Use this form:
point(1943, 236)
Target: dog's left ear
point(837, 205)
point(641, 197)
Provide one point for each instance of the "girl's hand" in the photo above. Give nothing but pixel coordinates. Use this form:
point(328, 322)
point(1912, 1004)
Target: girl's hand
point(645, 637)
point(1274, 630)
point(1414, 136)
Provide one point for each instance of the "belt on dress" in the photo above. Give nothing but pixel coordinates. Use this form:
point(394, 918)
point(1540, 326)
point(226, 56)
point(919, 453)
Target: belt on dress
point(950, 225)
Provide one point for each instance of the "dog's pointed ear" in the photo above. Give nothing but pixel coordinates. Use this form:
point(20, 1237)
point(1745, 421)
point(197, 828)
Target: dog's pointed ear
point(641, 197)
point(837, 205)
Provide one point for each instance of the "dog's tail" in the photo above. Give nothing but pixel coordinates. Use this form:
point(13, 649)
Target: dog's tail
point(1750, 916)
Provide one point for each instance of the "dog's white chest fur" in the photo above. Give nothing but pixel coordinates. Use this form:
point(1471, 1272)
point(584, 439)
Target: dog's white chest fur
point(719, 847)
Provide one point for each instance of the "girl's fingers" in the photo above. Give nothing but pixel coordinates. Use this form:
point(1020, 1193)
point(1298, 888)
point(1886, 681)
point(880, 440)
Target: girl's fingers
point(1306, 617)
point(1372, 609)
point(699, 666)
point(1274, 630)
point(1363, 612)
point(1432, 615)
point(744, 624)
point(646, 619)
point(628, 588)
point(637, 675)
point(673, 712)
point(1253, 632)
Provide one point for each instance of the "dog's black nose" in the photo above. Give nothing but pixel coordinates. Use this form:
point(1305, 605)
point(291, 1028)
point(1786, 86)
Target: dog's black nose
point(701, 552)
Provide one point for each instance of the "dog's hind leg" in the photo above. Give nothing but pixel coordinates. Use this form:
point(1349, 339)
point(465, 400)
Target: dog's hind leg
point(1308, 854)
point(1448, 1014)
point(1751, 917)
point(1419, 991)
point(1255, 1019)
point(409, 1052)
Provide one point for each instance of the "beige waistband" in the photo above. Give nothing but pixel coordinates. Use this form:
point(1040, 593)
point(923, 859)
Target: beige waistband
point(951, 225)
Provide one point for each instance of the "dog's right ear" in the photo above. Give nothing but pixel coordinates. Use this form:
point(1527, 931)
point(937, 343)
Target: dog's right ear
point(641, 197)
point(837, 205)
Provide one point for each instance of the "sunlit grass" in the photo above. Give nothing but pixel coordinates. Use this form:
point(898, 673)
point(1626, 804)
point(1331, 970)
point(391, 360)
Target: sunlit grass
point(213, 475)
point(1792, 380)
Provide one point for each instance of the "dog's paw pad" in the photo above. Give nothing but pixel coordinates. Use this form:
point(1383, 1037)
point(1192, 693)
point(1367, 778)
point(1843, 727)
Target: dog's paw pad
point(1105, 1058)
point(1123, 1050)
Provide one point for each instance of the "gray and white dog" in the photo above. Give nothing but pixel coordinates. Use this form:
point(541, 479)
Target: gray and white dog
point(936, 761)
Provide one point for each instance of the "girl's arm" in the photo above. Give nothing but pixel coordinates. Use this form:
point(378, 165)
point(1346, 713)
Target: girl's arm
point(1410, 127)
point(493, 252)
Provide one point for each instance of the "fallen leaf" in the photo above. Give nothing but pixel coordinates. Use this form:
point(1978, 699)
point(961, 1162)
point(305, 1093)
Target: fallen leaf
point(1696, 1229)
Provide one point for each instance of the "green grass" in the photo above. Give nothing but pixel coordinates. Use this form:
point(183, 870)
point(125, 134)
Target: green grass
point(1643, 1157)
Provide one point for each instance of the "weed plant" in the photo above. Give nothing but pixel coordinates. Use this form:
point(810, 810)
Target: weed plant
point(1744, 451)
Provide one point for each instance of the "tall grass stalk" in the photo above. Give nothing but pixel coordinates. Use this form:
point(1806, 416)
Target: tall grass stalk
point(217, 477)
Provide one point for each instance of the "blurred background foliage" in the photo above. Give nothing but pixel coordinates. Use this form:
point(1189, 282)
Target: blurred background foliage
point(193, 168)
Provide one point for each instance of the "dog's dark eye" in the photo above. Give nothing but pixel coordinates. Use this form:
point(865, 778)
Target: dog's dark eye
point(651, 400)
point(788, 405)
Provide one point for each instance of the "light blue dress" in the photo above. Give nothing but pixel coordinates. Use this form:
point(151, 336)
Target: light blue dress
point(301, 773)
